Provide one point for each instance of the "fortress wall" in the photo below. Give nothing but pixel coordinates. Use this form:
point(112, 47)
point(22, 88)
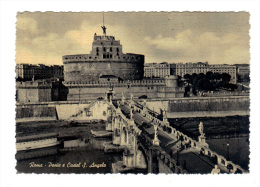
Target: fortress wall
point(66, 111)
point(88, 83)
point(93, 70)
point(45, 95)
point(27, 95)
point(62, 111)
point(217, 104)
point(83, 112)
point(35, 111)
point(95, 92)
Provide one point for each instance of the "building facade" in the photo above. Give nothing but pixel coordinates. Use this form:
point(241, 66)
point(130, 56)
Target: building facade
point(164, 69)
point(243, 70)
point(153, 70)
point(223, 68)
point(203, 67)
point(190, 68)
point(29, 71)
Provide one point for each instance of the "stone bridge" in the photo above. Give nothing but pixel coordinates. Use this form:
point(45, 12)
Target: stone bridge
point(150, 144)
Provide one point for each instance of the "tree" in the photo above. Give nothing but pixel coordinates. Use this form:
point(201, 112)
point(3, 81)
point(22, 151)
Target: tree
point(204, 84)
point(246, 78)
point(209, 75)
point(194, 75)
point(225, 78)
point(194, 91)
point(180, 82)
point(232, 87)
point(187, 91)
point(219, 84)
point(188, 78)
point(201, 76)
point(216, 77)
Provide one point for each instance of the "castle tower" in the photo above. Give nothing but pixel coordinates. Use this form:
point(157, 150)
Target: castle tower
point(171, 87)
point(106, 58)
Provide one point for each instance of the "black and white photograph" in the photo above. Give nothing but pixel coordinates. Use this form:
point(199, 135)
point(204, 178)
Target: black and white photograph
point(140, 93)
point(132, 92)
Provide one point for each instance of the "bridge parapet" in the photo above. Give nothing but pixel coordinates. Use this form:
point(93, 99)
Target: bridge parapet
point(229, 166)
point(130, 135)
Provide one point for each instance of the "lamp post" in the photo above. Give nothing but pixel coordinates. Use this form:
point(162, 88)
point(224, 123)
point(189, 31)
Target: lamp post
point(227, 146)
point(177, 156)
point(227, 151)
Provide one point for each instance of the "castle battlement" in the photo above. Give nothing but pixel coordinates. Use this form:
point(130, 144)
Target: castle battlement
point(34, 84)
point(141, 83)
point(93, 58)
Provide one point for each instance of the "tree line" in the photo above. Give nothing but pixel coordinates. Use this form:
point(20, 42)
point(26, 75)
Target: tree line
point(206, 82)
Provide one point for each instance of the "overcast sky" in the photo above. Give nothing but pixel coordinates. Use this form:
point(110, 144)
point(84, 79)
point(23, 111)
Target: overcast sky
point(218, 38)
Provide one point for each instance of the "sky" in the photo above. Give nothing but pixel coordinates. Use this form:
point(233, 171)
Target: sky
point(214, 37)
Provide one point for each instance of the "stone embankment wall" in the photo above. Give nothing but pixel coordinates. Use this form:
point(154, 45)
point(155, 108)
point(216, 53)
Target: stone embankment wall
point(35, 113)
point(71, 111)
point(199, 107)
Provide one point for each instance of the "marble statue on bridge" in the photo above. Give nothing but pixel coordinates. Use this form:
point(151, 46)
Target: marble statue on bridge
point(201, 128)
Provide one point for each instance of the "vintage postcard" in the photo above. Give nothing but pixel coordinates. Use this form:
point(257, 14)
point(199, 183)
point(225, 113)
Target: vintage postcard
point(132, 92)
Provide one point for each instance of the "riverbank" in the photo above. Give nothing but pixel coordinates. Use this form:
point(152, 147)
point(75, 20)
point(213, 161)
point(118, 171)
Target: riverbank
point(207, 114)
point(63, 128)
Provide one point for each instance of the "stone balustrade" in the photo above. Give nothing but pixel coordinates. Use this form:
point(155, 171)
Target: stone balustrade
point(221, 160)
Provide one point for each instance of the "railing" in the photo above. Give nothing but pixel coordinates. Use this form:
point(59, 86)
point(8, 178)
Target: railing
point(161, 154)
point(207, 152)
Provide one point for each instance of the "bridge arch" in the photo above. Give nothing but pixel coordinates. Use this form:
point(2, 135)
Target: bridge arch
point(142, 161)
point(230, 167)
point(214, 158)
point(169, 130)
point(123, 136)
point(202, 151)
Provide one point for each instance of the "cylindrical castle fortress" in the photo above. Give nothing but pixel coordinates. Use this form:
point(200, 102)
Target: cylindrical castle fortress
point(106, 58)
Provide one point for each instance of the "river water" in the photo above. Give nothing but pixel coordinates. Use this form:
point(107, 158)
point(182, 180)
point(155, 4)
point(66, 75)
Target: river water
point(77, 156)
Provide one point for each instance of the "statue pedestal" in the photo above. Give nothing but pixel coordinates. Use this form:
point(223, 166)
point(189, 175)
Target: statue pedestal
point(132, 122)
point(109, 127)
point(202, 141)
point(166, 123)
point(156, 142)
point(216, 170)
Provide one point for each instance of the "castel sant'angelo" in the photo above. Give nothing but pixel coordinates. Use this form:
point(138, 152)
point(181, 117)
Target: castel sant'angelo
point(107, 70)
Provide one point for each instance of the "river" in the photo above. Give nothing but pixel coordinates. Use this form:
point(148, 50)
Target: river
point(79, 156)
